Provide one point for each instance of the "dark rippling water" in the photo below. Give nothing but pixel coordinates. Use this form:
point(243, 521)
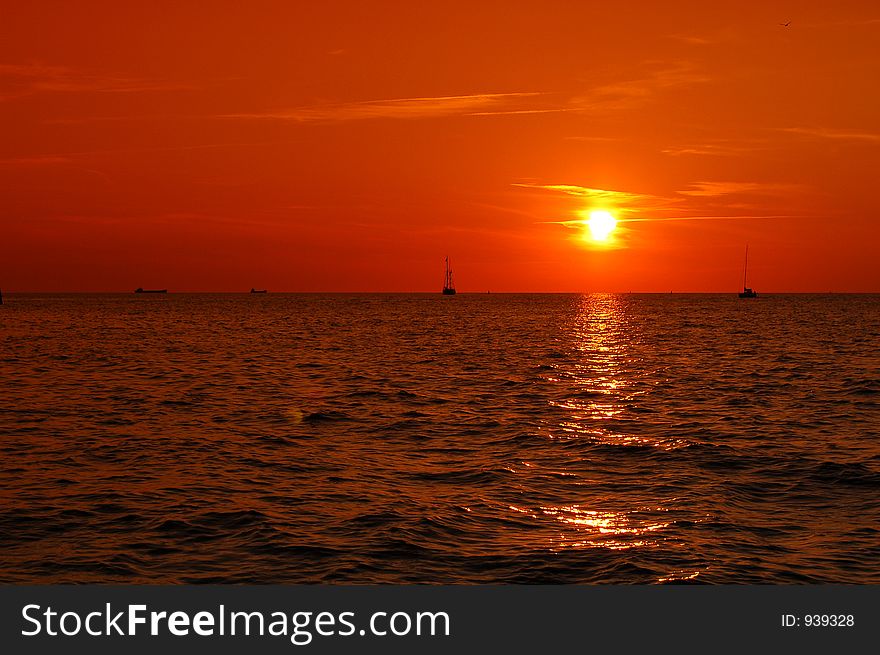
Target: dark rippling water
point(421, 438)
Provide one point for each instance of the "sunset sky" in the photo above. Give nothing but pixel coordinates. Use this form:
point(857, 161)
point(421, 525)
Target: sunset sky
point(351, 146)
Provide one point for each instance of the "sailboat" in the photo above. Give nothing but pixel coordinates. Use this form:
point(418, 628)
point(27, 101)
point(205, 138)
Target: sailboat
point(747, 292)
point(448, 284)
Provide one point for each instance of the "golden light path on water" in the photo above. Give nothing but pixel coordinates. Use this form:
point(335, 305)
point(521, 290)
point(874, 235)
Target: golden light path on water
point(604, 378)
point(587, 528)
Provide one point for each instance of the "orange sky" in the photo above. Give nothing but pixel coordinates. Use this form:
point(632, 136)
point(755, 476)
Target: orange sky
point(350, 146)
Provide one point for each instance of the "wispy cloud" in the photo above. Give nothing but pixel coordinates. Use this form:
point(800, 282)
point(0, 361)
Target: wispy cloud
point(513, 112)
point(626, 205)
point(18, 80)
point(712, 149)
point(646, 201)
point(604, 97)
point(38, 160)
point(400, 108)
point(720, 217)
point(578, 224)
point(694, 204)
point(628, 93)
point(828, 133)
point(601, 196)
point(699, 150)
point(712, 189)
point(691, 39)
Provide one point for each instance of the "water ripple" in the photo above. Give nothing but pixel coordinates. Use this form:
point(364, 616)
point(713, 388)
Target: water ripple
point(415, 438)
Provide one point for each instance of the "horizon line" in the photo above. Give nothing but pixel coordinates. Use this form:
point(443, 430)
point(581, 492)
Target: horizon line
point(430, 293)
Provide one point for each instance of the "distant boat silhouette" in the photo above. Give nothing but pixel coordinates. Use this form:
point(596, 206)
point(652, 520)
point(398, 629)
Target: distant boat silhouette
point(747, 292)
point(142, 290)
point(258, 290)
point(448, 284)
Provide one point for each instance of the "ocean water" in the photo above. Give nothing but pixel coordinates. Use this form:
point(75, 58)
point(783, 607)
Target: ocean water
point(419, 438)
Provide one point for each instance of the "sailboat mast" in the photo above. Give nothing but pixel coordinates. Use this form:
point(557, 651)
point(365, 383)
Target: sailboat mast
point(448, 285)
point(746, 267)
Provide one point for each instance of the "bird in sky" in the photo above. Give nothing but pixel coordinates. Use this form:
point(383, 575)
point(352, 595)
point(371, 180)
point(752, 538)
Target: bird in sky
point(788, 24)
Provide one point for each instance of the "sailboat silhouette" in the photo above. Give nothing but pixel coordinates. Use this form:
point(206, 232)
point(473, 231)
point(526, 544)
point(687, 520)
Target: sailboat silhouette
point(747, 292)
point(448, 284)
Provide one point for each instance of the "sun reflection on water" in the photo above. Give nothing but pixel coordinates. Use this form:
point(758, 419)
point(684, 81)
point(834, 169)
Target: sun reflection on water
point(589, 528)
point(599, 334)
point(596, 390)
point(679, 576)
point(603, 382)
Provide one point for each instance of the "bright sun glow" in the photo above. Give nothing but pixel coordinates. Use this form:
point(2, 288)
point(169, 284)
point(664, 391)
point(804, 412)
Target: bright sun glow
point(601, 225)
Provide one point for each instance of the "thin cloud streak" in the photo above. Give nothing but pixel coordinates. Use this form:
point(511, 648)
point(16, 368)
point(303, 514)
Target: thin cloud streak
point(621, 201)
point(522, 111)
point(599, 99)
point(21, 80)
point(712, 218)
point(587, 192)
point(827, 133)
point(692, 40)
point(713, 189)
point(580, 223)
point(630, 93)
point(711, 150)
point(697, 189)
point(632, 207)
point(397, 108)
point(39, 160)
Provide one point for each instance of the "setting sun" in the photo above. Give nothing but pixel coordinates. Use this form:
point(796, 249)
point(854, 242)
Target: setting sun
point(601, 224)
